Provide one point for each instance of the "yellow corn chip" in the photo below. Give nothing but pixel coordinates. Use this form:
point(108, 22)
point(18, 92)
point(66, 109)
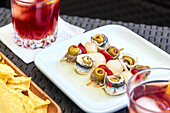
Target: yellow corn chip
point(15, 96)
point(36, 100)
point(9, 101)
point(6, 70)
point(41, 109)
point(4, 78)
point(2, 61)
point(21, 83)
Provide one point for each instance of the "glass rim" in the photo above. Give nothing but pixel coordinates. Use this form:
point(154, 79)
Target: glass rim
point(34, 2)
point(128, 90)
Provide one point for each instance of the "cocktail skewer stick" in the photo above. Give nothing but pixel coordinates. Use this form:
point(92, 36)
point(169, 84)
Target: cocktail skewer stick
point(64, 59)
point(90, 83)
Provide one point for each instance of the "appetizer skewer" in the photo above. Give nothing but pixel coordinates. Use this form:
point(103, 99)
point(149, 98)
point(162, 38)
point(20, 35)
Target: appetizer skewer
point(84, 63)
point(98, 76)
point(115, 84)
point(72, 53)
point(100, 40)
point(108, 67)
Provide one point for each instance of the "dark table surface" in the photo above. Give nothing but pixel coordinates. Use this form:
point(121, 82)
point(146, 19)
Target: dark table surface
point(159, 36)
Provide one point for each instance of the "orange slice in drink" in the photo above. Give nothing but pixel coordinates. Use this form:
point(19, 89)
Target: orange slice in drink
point(168, 88)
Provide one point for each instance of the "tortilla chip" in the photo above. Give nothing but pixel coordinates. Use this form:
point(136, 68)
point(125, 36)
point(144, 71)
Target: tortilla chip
point(6, 70)
point(9, 101)
point(2, 61)
point(28, 105)
point(4, 78)
point(36, 100)
point(15, 96)
point(21, 83)
point(41, 109)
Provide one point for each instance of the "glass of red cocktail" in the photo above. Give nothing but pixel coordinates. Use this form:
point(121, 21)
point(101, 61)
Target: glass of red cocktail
point(35, 22)
point(150, 94)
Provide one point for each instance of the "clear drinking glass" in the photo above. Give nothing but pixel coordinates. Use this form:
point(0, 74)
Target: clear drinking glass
point(35, 22)
point(150, 95)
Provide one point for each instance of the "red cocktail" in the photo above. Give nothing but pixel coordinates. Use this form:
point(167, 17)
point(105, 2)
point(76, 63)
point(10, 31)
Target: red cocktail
point(151, 95)
point(35, 22)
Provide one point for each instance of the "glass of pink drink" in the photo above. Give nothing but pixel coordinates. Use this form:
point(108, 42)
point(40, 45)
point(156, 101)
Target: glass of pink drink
point(150, 94)
point(35, 22)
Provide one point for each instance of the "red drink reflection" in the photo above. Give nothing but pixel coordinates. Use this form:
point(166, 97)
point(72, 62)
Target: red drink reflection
point(152, 96)
point(35, 20)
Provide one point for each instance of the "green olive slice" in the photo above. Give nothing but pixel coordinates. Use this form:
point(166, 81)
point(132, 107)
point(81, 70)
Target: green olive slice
point(113, 51)
point(129, 60)
point(114, 79)
point(73, 50)
point(99, 38)
point(87, 60)
point(99, 74)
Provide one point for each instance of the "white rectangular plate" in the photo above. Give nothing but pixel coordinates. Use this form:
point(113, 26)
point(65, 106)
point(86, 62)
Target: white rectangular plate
point(89, 98)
